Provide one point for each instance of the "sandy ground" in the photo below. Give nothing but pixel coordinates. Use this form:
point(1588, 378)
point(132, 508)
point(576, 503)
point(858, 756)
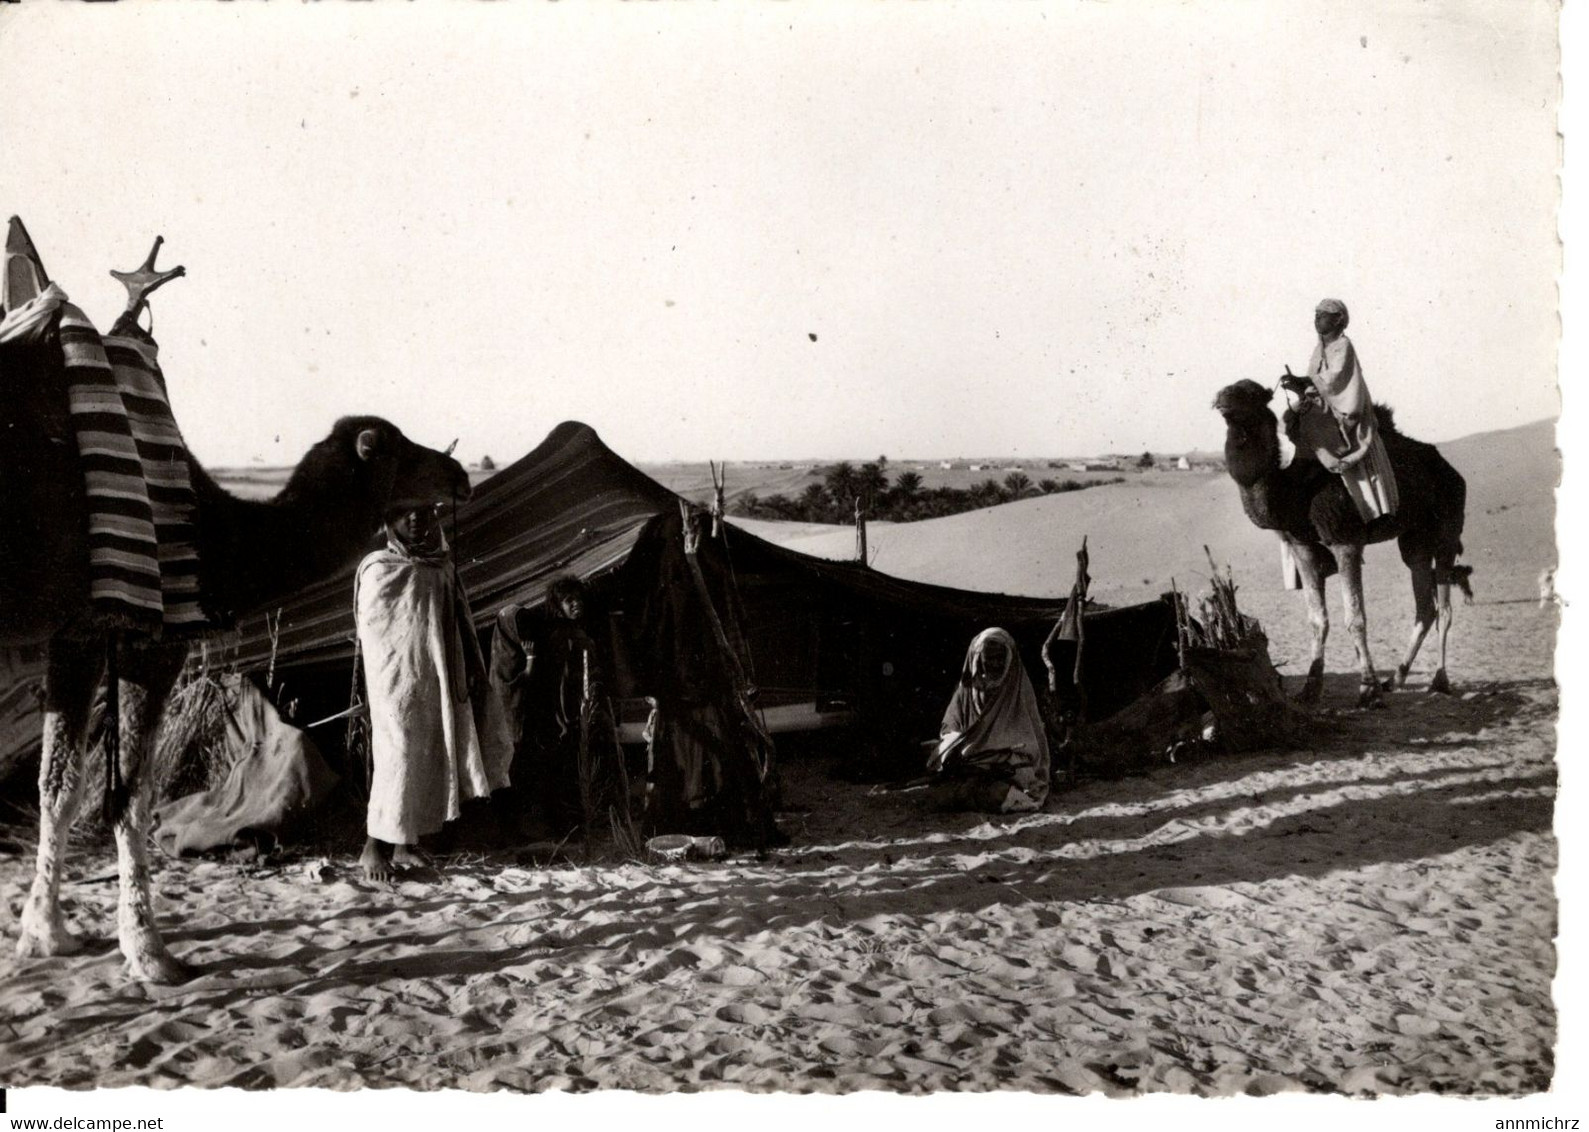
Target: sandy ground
point(1372, 913)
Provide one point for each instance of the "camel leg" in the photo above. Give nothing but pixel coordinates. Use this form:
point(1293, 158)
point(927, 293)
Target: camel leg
point(71, 679)
point(1423, 617)
point(1440, 682)
point(1312, 573)
point(1350, 559)
point(147, 676)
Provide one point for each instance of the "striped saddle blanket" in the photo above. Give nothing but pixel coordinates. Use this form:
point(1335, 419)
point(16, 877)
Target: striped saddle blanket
point(143, 551)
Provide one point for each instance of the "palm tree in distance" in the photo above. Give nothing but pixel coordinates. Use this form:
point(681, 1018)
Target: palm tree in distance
point(1017, 485)
point(840, 481)
point(988, 493)
point(813, 501)
point(872, 482)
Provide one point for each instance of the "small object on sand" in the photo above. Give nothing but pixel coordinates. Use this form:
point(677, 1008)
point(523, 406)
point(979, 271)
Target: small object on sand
point(905, 786)
point(318, 870)
point(683, 847)
point(542, 853)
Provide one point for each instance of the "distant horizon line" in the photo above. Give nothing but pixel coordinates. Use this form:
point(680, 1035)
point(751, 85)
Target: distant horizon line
point(255, 463)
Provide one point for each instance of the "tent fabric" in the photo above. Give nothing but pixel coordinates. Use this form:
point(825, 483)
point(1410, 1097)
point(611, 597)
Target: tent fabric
point(551, 676)
point(836, 635)
point(569, 506)
point(711, 764)
point(278, 777)
point(21, 711)
point(573, 506)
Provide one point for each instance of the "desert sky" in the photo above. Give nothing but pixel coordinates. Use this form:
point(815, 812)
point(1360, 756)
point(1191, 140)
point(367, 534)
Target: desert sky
point(815, 230)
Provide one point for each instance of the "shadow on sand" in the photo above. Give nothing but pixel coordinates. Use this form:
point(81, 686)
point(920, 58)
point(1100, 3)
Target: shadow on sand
point(1219, 823)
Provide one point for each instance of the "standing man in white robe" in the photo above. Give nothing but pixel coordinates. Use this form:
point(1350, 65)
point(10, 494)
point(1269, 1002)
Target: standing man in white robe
point(437, 733)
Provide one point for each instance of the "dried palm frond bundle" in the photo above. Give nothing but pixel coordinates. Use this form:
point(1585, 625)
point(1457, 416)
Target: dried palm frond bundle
point(602, 779)
point(1226, 695)
point(626, 839)
point(1219, 624)
point(190, 752)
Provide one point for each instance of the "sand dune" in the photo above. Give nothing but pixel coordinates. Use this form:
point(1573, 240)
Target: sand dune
point(1151, 530)
point(1153, 527)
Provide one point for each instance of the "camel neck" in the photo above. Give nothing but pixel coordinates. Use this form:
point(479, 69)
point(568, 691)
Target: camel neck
point(1261, 501)
point(1251, 463)
point(253, 552)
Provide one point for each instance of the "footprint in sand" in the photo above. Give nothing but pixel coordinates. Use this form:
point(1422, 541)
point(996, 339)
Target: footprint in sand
point(922, 968)
point(680, 959)
point(884, 1049)
point(735, 976)
point(1078, 959)
point(731, 1045)
point(1416, 1025)
point(974, 1014)
point(743, 1013)
point(161, 1040)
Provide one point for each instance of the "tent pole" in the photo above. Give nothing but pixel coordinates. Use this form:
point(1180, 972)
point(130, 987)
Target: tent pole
point(583, 764)
point(719, 482)
point(1069, 627)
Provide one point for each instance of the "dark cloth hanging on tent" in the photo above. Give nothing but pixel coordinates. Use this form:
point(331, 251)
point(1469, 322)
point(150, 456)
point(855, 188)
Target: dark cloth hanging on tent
point(711, 766)
point(549, 670)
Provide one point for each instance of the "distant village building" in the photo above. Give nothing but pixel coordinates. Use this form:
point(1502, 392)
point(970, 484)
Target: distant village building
point(1183, 464)
point(946, 465)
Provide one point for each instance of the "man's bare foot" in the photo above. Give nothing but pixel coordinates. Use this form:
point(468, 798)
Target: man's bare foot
point(408, 857)
point(374, 861)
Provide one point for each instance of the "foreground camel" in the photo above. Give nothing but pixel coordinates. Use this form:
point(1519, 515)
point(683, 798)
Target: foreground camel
point(1313, 514)
point(251, 553)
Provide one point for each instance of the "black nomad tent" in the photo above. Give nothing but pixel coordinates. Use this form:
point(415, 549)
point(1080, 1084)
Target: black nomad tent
point(825, 643)
point(817, 644)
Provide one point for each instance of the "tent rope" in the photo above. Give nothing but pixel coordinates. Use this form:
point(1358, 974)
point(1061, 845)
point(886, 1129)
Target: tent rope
point(737, 599)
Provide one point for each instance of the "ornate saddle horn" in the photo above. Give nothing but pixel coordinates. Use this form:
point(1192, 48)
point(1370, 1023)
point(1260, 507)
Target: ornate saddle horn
point(24, 276)
point(143, 282)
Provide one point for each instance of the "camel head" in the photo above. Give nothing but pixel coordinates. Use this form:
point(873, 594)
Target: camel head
point(370, 461)
point(1251, 447)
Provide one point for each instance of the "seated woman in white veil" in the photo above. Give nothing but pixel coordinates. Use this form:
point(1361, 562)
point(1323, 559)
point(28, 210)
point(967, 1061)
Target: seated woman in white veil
point(992, 753)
